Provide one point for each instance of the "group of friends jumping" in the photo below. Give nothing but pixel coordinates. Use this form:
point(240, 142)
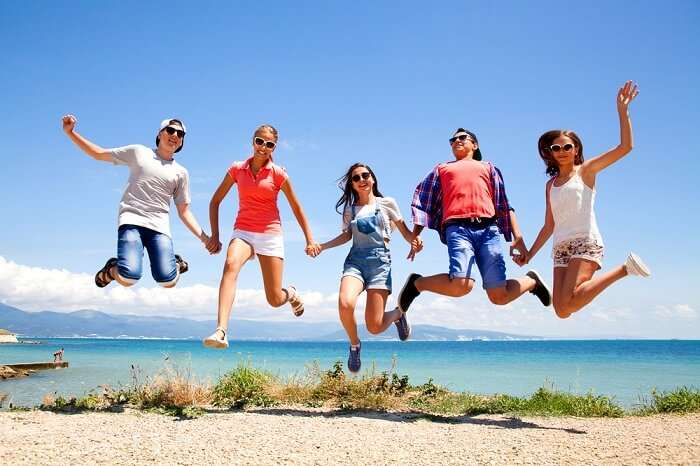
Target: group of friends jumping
point(463, 199)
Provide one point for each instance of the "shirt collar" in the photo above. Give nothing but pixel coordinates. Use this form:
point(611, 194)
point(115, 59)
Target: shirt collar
point(267, 166)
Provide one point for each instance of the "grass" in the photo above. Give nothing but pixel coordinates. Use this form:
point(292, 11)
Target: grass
point(175, 392)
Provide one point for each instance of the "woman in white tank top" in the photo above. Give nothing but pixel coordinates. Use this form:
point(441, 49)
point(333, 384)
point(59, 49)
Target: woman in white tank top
point(570, 217)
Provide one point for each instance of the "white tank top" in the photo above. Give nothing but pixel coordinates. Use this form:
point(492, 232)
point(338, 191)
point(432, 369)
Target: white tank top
point(572, 209)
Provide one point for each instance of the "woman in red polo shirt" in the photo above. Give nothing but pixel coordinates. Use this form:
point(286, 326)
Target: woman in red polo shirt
point(257, 230)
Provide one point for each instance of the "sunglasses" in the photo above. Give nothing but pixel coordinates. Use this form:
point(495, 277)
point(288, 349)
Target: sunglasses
point(568, 147)
point(356, 177)
point(462, 137)
point(260, 141)
point(171, 131)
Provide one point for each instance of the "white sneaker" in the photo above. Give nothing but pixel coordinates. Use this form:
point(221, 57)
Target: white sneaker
point(213, 340)
point(635, 266)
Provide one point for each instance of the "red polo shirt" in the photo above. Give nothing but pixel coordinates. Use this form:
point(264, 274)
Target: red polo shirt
point(257, 197)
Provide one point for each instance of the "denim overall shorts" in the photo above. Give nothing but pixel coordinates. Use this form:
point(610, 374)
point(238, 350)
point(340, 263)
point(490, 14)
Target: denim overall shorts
point(369, 260)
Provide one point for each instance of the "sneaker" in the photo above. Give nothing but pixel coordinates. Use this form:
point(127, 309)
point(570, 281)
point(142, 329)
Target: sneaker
point(217, 339)
point(182, 266)
point(295, 301)
point(104, 276)
point(541, 290)
point(409, 292)
point(635, 266)
point(354, 362)
point(403, 327)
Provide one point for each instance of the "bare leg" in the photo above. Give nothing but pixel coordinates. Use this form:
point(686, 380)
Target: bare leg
point(515, 287)
point(441, 284)
point(375, 318)
point(574, 285)
point(237, 254)
point(272, 268)
point(350, 289)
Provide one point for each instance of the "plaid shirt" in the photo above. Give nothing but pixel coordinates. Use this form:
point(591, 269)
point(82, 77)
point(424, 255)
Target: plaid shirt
point(426, 207)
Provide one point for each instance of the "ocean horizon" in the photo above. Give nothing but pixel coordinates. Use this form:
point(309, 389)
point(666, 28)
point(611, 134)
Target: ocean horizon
point(627, 370)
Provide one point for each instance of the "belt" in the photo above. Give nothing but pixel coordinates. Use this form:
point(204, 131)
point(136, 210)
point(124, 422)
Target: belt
point(475, 223)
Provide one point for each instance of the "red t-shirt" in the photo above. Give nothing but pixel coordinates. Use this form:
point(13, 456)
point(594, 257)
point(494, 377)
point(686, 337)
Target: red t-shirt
point(257, 197)
point(466, 190)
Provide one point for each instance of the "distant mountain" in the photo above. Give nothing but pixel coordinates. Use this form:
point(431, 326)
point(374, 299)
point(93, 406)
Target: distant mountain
point(91, 323)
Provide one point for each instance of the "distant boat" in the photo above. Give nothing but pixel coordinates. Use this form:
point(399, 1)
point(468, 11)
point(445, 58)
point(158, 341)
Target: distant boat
point(7, 337)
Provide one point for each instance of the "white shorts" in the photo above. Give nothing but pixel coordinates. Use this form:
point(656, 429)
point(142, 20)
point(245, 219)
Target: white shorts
point(266, 244)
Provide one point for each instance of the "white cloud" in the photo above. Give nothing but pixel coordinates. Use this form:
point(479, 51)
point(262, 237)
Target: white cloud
point(36, 288)
point(678, 311)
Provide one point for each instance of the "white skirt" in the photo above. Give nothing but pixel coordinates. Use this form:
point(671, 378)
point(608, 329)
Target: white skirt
point(266, 244)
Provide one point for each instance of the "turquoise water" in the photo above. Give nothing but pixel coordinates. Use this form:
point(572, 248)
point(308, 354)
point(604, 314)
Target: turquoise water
point(624, 369)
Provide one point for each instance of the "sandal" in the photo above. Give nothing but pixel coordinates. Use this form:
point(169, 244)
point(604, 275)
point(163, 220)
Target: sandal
point(295, 301)
point(213, 340)
point(104, 276)
point(182, 265)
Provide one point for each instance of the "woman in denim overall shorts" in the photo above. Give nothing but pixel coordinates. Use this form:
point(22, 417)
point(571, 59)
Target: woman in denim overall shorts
point(368, 218)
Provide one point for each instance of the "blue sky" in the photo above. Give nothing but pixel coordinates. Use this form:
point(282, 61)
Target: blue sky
point(385, 84)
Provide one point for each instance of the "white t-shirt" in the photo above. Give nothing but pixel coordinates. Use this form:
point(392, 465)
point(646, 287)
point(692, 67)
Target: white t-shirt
point(153, 181)
point(388, 208)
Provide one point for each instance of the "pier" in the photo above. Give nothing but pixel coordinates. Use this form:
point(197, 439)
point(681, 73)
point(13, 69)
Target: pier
point(37, 366)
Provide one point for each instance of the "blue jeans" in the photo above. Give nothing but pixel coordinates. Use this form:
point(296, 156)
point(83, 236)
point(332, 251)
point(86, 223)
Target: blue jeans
point(467, 246)
point(132, 240)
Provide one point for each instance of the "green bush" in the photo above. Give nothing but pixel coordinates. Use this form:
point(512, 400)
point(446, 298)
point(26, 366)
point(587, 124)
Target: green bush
point(244, 386)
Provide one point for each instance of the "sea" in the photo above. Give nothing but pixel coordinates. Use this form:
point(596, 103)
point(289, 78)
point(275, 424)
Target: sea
point(626, 370)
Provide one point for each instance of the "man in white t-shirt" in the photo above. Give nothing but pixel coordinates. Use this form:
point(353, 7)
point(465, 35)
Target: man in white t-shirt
point(144, 211)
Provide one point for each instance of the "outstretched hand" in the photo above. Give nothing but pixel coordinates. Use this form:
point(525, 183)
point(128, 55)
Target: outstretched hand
point(416, 247)
point(69, 122)
point(626, 95)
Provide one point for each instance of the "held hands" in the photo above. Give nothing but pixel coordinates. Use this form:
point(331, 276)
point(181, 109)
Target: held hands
point(626, 95)
point(212, 243)
point(518, 252)
point(313, 249)
point(69, 122)
point(416, 247)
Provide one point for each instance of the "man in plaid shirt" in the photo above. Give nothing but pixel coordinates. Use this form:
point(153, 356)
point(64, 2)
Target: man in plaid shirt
point(465, 201)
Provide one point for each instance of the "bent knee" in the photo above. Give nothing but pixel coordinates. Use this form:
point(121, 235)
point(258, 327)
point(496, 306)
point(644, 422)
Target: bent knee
point(462, 286)
point(374, 328)
point(563, 310)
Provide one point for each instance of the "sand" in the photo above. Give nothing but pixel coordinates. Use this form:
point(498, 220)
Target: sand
point(308, 436)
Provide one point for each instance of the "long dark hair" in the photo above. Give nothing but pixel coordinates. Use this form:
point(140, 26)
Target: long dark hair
point(345, 184)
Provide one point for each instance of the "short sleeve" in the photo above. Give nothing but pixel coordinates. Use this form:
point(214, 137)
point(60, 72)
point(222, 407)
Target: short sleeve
point(182, 190)
point(234, 169)
point(391, 209)
point(124, 155)
point(279, 176)
point(347, 218)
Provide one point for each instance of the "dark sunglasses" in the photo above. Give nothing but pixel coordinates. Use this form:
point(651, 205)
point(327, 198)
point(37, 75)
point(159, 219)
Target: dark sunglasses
point(260, 141)
point(171, 131)
point(568, 147)
point(356, 177)
point(462, 137)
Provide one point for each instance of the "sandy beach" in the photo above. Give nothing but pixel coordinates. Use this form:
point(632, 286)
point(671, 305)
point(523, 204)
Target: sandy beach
point(308, 436)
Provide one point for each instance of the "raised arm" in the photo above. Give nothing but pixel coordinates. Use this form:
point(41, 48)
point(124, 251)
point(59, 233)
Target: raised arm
point(214, 245)
point(312, 247)
point(90, 148)
point(625, 96)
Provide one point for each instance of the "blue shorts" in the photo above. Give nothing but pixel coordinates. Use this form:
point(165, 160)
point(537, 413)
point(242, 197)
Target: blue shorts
point(467, 246)
point(371, 266)
point(132, 240)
